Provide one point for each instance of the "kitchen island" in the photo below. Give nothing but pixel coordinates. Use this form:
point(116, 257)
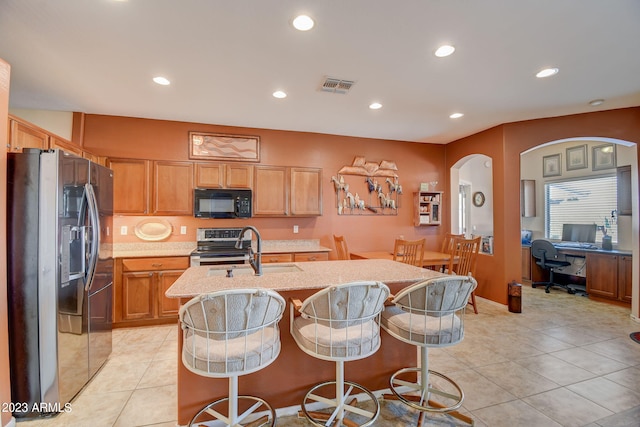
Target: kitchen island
point(285, 382)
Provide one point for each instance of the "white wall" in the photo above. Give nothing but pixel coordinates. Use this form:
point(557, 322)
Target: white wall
point(531, 168)
point(57, 122)
point(478, 172)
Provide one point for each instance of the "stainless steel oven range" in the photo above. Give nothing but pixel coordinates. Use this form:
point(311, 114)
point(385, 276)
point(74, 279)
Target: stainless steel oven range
point(217, 246)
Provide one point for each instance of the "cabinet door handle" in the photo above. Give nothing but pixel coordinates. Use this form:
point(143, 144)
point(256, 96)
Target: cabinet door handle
point(150, 274)
point(312, 258)
point(156, 265)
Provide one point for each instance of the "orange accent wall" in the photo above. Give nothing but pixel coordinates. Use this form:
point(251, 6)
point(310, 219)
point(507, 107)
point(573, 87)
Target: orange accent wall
point(163, 140)
point(5, 390)
point(504, 144)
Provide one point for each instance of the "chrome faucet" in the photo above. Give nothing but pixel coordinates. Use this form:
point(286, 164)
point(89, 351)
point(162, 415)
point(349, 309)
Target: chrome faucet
point(254, 259)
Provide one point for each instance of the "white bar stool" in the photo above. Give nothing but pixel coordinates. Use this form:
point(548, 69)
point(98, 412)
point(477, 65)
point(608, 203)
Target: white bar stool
point(340, 324)
point(227, 334)
point(429, 314)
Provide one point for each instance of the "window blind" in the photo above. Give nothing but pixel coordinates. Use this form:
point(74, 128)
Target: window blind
point(581, 201)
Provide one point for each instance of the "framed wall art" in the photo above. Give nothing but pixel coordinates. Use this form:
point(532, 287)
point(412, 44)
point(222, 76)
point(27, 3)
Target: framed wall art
point(604, 157)
point(216, 146)
point(551, 165)
point(577, 157)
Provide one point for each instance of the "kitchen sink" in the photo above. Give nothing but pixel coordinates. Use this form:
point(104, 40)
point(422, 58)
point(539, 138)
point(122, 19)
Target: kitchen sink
point(245, 269)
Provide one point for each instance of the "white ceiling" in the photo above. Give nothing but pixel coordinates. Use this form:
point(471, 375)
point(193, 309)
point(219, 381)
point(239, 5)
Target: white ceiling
point(225, 58)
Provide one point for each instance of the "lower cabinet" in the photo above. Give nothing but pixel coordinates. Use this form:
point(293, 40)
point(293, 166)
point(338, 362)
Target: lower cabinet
point(140, 285)
point(609, 276)
point(295, 257)
point(526, 264)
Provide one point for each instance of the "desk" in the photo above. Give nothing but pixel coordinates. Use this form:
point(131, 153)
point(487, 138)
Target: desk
point(605, 274)
point(430, 259)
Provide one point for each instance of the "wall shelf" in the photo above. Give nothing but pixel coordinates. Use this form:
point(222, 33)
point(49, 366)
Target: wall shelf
point(427, 208)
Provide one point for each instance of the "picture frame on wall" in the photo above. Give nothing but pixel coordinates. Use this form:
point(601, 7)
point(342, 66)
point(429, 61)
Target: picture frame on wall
point(217, 146)
point(604, 157)
point(486, 245)
point(577, 157)
point(551, 165)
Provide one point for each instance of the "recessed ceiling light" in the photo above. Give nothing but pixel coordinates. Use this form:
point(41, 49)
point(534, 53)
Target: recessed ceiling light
point(279, 94)
point(303, 23)
point(596, 102)
point(161, 81)
point(375, 106)
point(547, 72)
point(456, 115)
point(445, 50)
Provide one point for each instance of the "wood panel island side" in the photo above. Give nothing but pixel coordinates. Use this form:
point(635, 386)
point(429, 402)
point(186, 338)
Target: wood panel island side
point(285, 382)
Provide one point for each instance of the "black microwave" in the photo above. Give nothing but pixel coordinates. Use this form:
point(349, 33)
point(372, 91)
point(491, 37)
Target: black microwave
point(221, 203)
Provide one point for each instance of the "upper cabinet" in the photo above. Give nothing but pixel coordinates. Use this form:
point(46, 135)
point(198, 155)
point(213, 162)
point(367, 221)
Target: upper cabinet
point(287, 191)
point(427, 206)
point(624, 190)
point(270, 196)
point(527, 198)
point(24, 135)
point(221, 175)
point(144, 187)
point(306, 191)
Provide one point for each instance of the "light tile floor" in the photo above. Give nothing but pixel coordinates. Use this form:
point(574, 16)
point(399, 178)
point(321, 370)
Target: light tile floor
point(564, 361)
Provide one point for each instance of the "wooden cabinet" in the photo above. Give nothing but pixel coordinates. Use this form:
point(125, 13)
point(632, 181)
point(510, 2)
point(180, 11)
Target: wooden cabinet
point(140, 285)
point(144, 187)
point(427, 208)
point(172, 188)
point(624, 190)
point(287, 191)
point(295, 257)
point(24, 135)
point(221, 175)
point(272, 258)
point(311, 256)
point(306, 191)
point(55, 142)
point(625, 284)
point(609, 276)
point(131, 182)
point(270, 196)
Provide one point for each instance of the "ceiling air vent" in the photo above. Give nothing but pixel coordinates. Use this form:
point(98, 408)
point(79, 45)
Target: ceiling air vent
point(336, 85)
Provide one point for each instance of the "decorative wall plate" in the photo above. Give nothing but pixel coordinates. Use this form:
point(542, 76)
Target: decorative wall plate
point(153, 229)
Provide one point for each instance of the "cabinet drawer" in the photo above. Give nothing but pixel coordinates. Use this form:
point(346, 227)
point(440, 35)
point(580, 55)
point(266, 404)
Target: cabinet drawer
point(311, 256)
point(152, 264)
point(269, 258)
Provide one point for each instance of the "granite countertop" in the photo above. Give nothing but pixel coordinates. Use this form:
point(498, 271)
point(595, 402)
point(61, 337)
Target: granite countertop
point(314, 275)
point(162, 249)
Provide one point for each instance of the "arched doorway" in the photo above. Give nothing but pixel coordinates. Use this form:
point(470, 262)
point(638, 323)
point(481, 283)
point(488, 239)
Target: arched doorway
point(575, 161)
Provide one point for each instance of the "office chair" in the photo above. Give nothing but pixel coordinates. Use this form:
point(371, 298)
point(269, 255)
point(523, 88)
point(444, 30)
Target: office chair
point(546, 256)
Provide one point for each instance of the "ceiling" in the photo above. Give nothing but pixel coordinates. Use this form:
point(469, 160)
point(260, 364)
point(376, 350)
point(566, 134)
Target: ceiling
point(226, 58)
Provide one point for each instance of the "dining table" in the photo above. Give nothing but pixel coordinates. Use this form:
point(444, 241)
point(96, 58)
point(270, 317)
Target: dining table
point(431, 259)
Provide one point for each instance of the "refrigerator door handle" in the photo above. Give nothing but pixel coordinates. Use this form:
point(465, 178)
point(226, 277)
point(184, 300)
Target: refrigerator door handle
point(94, 227)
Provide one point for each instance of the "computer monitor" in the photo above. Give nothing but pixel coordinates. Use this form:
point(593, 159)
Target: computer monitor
point(585, 233)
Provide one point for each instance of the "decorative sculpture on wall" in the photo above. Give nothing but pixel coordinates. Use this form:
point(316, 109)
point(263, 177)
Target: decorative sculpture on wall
point(380, 203)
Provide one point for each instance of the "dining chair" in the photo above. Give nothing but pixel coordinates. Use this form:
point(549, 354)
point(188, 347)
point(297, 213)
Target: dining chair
point(447, 242)
point(464, 254)
point(341, 247)
point(409, 251)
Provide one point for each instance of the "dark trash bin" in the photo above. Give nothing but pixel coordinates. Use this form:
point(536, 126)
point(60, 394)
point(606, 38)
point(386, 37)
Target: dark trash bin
point(515, 297)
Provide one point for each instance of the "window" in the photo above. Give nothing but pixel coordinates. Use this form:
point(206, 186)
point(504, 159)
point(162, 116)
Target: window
point(582, 201)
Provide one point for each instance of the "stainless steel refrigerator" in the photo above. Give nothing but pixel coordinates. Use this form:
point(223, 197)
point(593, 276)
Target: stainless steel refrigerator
point(60, 276)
